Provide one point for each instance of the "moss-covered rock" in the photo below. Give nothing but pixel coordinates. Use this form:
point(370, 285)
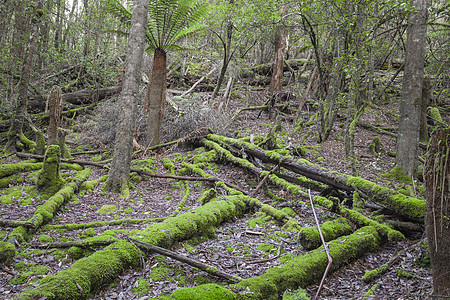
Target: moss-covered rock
point(142, 288)
point(45, 238)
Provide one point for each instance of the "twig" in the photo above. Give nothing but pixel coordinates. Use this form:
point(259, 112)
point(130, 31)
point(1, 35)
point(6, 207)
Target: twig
point(260, 261)
point(200, 80)
point(330, 260)
point(192, 262)
point(262, 181)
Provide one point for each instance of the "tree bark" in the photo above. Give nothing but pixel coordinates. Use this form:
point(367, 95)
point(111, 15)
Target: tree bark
point(156, 95)
point(54, 103)
point(120, 168)
point(408, 131)
point(437, 220)
point(22, 101)
point(278, 63)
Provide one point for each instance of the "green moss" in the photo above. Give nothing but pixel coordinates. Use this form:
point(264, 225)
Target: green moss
point(204, 292)
point(309, 237)
point(308, 269)
point(289, 211)
point(44, 238)
point(11, 169)
point(435, 115)
point(89, 232)
point(370, 292)
point(299, 294)
point(206, 195)
point(397, 174)
point(128, 210)
point(87, 275)
point(320, 159)
point(142, 288)
point(161, 272)
point(49, 180)
point(28, 270)
point(7, 253)
point(107, 209)
point(405, 274)
point(75, 252)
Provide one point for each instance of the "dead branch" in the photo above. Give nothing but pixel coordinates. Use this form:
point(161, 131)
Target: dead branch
point(11, 223)
point(330, 260)
point(80, 243)
point(192, 262)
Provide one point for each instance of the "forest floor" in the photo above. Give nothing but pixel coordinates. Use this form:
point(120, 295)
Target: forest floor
point(246, 247)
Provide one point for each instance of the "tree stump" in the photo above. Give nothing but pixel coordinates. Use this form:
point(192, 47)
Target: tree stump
point(49, 180)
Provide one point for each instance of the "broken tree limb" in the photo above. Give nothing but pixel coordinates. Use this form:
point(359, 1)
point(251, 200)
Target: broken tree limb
point(192, 262)
point(330, 259)
point(198, 81)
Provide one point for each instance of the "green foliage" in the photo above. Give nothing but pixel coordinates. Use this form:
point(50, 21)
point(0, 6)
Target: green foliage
point(169, 21)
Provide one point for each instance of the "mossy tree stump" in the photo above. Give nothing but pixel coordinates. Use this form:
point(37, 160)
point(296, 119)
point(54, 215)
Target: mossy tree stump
point(49, 180)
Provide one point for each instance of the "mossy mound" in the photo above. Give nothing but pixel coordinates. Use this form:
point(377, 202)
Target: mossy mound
point(49, 180)
point(107, 209)
point(204, 292)
point(7, 253)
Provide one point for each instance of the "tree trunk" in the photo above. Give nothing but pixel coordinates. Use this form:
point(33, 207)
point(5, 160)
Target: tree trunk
point(408, 130)
point(22, 101)
point(226, 58)
point(156, 95)
point(120, 167)
point(278, 63)
point(437, 220)
point(54, 104)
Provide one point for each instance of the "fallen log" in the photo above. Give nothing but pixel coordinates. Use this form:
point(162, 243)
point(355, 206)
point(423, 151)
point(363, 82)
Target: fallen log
point(405, 206)
point(89, 96)
point(309, 237)
point(88, 275)
point(308, 269)
point(80, 243)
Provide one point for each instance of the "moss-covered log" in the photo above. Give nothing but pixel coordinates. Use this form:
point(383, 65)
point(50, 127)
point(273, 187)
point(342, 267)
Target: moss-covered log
point(308, 269)
point(20, 167)
point(405, 206)
point(87, 275)
point(45, 212)
point(80, 243)
point(309, 237)
point(301, 167)
point(408, 207)
point(99, 224)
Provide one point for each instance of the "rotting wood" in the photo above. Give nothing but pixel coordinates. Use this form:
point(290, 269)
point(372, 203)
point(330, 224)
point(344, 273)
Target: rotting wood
point(306, 170)
point(11, 223)
point(88, 96)
point(101, 224)
point(192, 262)
point(81, 243)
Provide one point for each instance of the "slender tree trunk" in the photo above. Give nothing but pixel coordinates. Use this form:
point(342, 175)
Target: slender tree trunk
point(156, 95)
point(69, 22)
point(408, 130)
point(58, 24)
point(54, 105)
point(278, 62)
point(22, 99)
point(120, 167)
point(226, 58)
point(437, 219)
